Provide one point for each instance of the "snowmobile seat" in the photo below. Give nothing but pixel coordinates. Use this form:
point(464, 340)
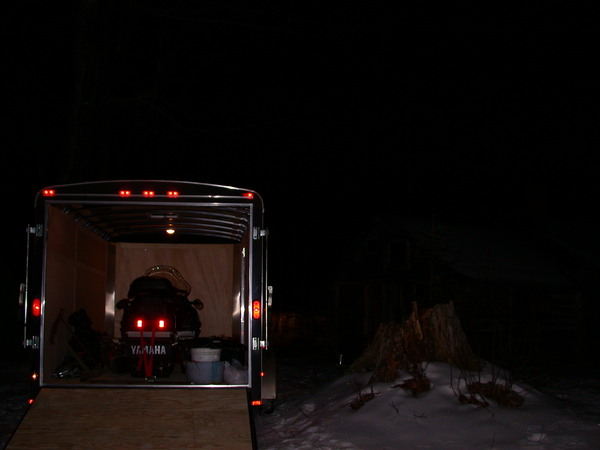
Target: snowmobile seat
point(153, 285)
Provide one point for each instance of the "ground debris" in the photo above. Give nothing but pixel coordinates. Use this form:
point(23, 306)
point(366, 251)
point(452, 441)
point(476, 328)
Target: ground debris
point(473, 400)
point(361, 398)
point(500, 394)
point(416, 386)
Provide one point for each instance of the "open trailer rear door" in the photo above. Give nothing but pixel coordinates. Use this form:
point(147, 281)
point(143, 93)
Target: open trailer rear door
point(130, 418)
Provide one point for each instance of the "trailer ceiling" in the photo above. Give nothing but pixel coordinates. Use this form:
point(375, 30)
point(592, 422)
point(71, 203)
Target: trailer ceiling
point(150, 222)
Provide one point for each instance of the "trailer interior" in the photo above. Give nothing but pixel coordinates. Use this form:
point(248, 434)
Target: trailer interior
point(94, 250)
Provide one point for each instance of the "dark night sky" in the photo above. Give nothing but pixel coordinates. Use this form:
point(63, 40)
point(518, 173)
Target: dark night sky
point(332, 114)
point(439, 109)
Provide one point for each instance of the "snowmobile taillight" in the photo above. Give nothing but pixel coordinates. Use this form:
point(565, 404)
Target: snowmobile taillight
point(125, 193)
point(48, 192)
point(148, 193)
point(139, 323)
point(249, 195)
point(172, 194)
point(162, 323)
point(36, 307)
point(256, 309)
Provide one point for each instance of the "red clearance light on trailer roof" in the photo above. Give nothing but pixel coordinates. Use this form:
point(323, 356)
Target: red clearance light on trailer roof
point(161, 323)
point(249, 195)
point(256, 309)
point(36, 307)
point(139, 323)
point(125, 193)
point(48, 192)
point(172, 194)
point(148, 193)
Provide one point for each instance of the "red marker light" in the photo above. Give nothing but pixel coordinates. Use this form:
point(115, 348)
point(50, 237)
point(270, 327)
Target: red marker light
point(139, 323)
point(125, 193)
point(256, 309)
point(249, 195)
point(172, 194)
point(161, 323)
point(148, 193)
point(256, 402)
point(30, 401)
point(36, 307)
point(48, 192)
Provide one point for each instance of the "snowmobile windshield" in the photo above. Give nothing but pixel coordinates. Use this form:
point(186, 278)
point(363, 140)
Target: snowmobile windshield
point(171, 274)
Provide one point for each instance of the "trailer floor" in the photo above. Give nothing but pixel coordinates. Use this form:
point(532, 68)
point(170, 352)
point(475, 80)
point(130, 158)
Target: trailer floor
point(106, 378)
point(154, 418)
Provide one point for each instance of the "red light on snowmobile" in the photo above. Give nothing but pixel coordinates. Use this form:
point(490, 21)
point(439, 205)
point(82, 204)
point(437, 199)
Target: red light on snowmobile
point(148, 193)
point(161, 323)
point(36, 307)
point(249, 195)
point(139, 323)
point(256, 309)
point(172, 194)
point(125, 193)
point(48, 192)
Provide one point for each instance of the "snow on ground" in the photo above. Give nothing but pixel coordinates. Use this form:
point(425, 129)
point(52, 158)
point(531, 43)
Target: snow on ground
point(13, 398)
point(566, 415)
point(314, 412)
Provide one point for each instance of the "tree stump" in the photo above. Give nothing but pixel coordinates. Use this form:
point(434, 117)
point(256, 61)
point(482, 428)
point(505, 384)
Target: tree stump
point(445, 339)
point(434, 335)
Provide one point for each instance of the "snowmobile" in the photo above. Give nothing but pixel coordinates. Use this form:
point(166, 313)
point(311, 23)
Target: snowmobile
point(159, 322)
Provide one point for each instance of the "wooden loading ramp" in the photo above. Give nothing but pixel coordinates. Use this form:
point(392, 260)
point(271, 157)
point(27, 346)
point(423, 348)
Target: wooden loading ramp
point(152, 418)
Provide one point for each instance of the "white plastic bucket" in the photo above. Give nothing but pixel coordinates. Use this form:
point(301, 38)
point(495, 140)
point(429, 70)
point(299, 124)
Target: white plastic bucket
point(204, 372)
point(206, 354)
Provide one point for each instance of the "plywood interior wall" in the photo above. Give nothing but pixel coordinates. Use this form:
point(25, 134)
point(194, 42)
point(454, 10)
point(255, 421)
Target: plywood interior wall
point(208, 268)
point(76, 276)
point(85, 271)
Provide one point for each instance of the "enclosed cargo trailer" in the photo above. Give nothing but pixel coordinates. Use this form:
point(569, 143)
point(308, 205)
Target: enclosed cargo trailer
point(99, 250)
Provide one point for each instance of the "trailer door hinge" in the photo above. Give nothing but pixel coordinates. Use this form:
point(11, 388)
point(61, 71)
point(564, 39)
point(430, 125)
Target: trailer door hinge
point(33, 342)
point(259, 232)
point(37, 230)
point(257, 343)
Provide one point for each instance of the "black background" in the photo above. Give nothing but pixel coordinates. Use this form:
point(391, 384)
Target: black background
point(333, 114)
